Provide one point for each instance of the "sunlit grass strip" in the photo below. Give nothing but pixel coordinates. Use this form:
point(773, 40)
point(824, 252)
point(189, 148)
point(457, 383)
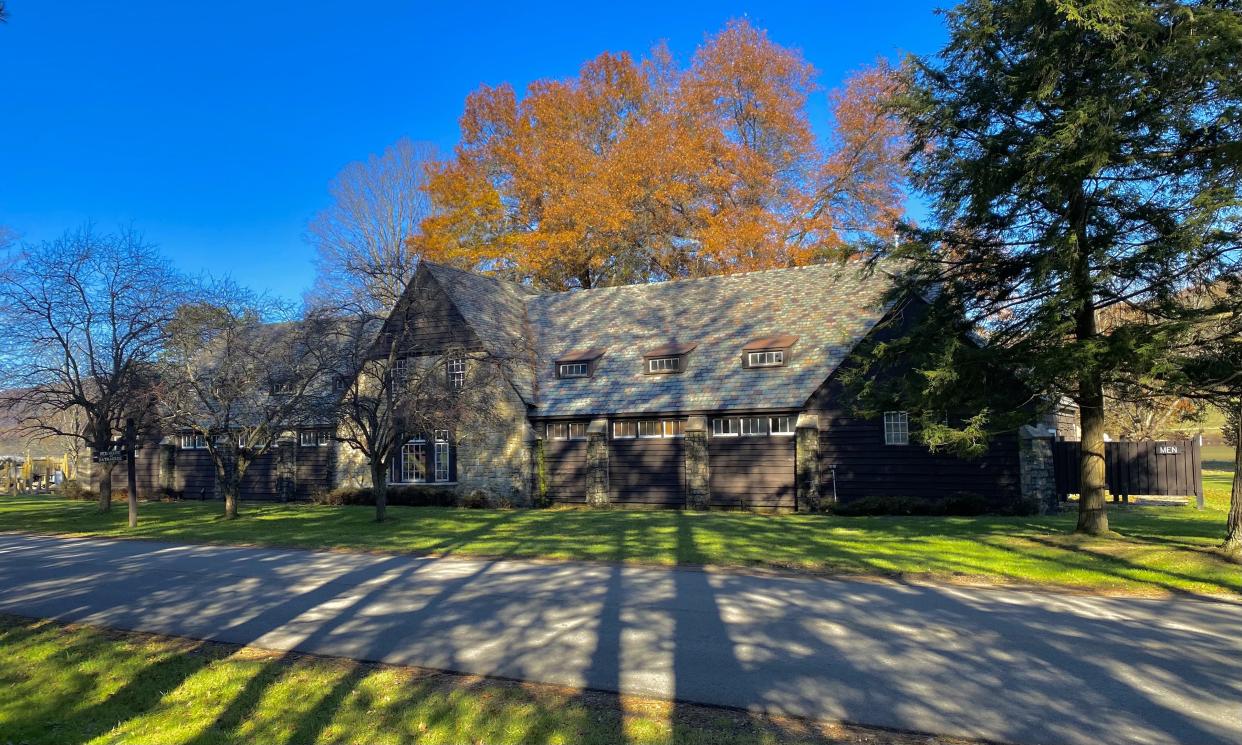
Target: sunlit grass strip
point(85, 685)
point(1161, 549)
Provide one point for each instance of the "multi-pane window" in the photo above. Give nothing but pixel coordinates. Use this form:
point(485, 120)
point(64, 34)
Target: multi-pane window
point(650, 428)
point(896, 428)
point(280, 387)
point(308, 438)
point(774, 358)
point(413, 465)
point(752, 426)
point(193, 442)
point(664, 364)
point(573, 370)
point(441, 455)
point(567, 431)
point(674, 427)
point(401, 370)
point(624, 430)
point(456, 368)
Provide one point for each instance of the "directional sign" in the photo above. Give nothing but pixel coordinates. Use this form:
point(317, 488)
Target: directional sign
point(110, 456)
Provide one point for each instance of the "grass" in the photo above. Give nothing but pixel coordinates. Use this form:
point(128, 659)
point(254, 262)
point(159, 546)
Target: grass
point(78, 684)
point(1159, 550)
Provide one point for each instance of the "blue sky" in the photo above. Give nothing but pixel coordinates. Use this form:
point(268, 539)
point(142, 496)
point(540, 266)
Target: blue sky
point(215, 127)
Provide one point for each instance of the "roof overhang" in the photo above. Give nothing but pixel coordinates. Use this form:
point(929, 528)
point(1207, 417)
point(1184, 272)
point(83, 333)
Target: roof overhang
point(776, 341)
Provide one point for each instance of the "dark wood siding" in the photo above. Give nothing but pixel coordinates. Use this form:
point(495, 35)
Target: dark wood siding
point(425, 320)
point(752, 472)
point(146, 472)
point(314, 469)
point(647, 472)
point(195, 476)
point(565, 462)
point(259, 482)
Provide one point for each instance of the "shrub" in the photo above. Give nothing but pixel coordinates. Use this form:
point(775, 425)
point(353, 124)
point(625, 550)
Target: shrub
point(405, 495)
point(73, 489)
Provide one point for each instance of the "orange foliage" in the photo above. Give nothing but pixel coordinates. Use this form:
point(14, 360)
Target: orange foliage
point(636, 170)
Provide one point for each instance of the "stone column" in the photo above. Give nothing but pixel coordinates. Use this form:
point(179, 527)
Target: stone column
point(597, 463)
point(537, 482)
point(698, 467)
point(1037, 469)
point(286, 467)
point(167, 468)
point(806, 463)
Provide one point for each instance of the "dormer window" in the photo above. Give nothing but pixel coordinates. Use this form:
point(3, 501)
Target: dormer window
point(768, 351)
point(579, 364)
point(668, 359)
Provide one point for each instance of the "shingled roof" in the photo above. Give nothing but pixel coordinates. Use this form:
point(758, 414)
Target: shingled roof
point(825, 310)
point(828, 309)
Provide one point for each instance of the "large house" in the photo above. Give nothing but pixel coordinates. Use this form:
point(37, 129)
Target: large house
point(715, 392)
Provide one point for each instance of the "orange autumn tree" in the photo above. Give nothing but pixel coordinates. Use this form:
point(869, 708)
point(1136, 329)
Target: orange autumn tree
point(637, 170)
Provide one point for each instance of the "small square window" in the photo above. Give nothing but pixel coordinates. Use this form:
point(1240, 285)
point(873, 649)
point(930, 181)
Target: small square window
point(664, 364)
point(649, 428)
point(573, 370)
point(896, 428)
point(624, 430)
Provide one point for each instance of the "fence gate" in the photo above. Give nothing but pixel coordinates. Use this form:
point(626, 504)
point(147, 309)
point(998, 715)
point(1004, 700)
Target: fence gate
point(1150, 467)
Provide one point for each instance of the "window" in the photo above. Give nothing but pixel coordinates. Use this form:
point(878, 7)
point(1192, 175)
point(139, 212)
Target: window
point(280, 387)
point(896, 428)
point(573, 370)
point(664, 364)
point(725, 427)
point(624, 430)
point(649, 428)
point(306, 439)
point(674, 427)
point(340, 384)
point(193, 442)
point(567, 431)
point(765, 359)
point(754, 425)
point(412, 468)
point(781, 425)
point(441, 455)
point(456, 369)
point(401, 370)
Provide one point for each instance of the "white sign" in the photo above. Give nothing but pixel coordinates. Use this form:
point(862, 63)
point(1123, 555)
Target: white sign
point(110, 456)
point(1167, 450)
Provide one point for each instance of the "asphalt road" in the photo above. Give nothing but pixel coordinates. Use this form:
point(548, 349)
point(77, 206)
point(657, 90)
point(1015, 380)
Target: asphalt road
point(1015, 666)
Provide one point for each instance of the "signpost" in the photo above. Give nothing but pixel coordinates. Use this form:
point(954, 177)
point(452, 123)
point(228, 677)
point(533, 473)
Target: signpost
point(132, 476)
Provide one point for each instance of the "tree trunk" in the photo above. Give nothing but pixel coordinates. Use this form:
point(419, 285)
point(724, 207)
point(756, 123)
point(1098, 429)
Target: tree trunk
point(105, 486)
point(1233, 524)
point(379, 489)
point(1092, 519)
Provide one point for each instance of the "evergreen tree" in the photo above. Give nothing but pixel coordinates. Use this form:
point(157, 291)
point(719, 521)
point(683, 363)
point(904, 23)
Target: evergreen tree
point(1079, 156)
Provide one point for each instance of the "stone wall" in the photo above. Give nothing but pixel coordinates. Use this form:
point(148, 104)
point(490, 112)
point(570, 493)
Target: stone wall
point(1038, 472)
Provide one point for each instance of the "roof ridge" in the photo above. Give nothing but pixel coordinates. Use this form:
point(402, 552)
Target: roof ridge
point(716, 277)
point(518, 286)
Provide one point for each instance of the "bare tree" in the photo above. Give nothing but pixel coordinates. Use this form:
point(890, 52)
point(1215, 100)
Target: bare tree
point(82, 318)
point(401, 389)
point(4, 12)
point(239, 381)
point(362, 239)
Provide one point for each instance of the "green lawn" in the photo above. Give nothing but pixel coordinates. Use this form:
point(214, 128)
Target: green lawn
point(1161, 549)
point(75, 684)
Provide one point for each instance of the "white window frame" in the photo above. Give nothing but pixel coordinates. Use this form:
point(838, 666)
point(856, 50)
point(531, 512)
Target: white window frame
point(406, 469)
point(629, 423)
point(754, 426)
point(440, 452)
point(193, 442)
point(896, 428)
point(657, 429)
point(726, 427)
point(670, 427)
point(455, 369)
point(766, 358)
point(780, 426)
point(308, 438)
point(573, 370)
point(401, 369)
point(577, 430)
point(669, 364)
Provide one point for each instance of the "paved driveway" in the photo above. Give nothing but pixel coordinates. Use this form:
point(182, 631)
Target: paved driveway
point(1008, 665)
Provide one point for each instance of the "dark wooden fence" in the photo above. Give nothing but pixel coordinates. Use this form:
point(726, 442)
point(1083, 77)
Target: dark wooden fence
point(1151, 467)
